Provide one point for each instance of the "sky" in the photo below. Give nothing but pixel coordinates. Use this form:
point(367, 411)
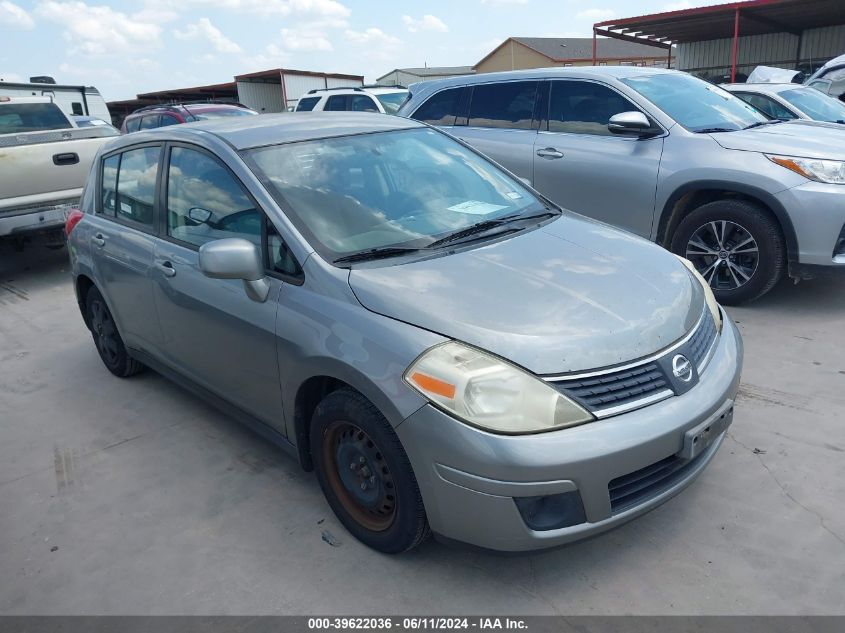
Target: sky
point(124, 48)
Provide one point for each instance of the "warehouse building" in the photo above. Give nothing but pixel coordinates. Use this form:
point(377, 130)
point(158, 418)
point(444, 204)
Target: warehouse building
point(517, 53)
point(726, 42)
point(265, 91)
point(279, 89)
point(404, 77)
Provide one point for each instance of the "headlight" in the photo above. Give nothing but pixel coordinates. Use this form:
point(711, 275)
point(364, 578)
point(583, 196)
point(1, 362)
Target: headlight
point(708, 293)
point(829, 171)
point(490, 393)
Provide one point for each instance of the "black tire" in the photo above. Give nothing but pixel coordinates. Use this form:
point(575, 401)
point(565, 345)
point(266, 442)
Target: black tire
point(744, 219)
point(107, 339)
point(348, 431)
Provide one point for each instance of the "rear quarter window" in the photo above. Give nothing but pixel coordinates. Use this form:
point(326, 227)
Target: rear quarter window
point(306, 104)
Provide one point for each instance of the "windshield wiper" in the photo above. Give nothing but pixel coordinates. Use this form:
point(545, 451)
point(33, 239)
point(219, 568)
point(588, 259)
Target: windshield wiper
point(761, 123)
point(708, 130)
point(486, 225)
point(375, 253)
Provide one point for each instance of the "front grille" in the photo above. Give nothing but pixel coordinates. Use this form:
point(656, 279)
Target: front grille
point(618, 388)
point(641, 485)
point(703, 338)
point(612, 391)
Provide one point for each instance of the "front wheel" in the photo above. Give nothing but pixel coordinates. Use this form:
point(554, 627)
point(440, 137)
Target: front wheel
point(365, 473)
point(736, 246)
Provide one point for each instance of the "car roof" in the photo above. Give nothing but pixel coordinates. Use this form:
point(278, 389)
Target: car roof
point(572, 72)
point(245, 132)
point(191, 107)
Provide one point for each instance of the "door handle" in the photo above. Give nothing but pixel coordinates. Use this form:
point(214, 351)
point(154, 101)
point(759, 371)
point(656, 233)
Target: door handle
point(167, 269)
point(549, 152)
point(68, 158)
point(99, 240)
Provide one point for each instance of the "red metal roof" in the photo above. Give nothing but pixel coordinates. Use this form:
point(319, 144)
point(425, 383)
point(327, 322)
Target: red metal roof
point(757, 17)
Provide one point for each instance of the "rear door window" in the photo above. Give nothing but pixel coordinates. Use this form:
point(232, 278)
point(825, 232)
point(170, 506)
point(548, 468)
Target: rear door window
point(168, 119)
point(136, 185)
point(504, 105)
point(441, 108)
point(336, 103)
point(133, 125)
point(583, 107)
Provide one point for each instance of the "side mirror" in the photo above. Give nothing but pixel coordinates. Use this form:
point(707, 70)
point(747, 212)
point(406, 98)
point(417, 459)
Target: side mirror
point(236, 258)
point(630, 124)
point(199, 215)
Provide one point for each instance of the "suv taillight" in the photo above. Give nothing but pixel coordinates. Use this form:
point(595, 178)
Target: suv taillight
point(73, 218)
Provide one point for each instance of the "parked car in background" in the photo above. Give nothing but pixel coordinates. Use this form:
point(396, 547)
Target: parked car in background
point(790, 101)
point(383, 99)
point(830, 78)
point(448, 350)
point(92, 121)
point(666, 156)
point(44, 161)
point(151, 117)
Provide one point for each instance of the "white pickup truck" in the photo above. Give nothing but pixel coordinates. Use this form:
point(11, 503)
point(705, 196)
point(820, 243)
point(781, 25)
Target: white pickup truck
point(44, 162)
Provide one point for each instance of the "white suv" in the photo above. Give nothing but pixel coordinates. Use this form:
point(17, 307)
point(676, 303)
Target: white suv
point(384, 99)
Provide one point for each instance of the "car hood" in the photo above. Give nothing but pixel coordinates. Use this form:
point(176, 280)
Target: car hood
point(572, 295)
point(794, 138)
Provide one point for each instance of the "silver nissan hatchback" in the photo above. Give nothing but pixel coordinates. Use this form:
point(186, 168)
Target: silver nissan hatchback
point(447, 349)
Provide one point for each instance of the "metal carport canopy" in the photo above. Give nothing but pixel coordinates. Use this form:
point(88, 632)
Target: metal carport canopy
point(754, 17)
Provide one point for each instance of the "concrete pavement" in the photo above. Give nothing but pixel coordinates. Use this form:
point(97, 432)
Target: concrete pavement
point(134, 497)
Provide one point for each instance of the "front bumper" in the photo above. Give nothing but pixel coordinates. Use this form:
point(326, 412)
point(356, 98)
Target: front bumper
point(817, 211)
point(469, 478)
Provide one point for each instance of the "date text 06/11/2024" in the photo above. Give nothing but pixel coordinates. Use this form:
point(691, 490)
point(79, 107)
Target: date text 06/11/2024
point(417, 623)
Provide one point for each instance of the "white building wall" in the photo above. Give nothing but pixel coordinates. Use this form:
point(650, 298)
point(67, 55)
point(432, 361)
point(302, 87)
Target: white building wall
point(298, 85)
point(335, 82)
point(773, 49)
point(822, 43)
point(261, 97)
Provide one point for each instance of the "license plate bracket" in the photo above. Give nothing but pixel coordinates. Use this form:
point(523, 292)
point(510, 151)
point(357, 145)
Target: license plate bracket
point(700, 437)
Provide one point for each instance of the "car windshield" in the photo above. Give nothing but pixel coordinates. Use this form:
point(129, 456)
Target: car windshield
point(697, 105)
point(391, 101)
point(396, 189)
point(814, 104)
point(214, 114)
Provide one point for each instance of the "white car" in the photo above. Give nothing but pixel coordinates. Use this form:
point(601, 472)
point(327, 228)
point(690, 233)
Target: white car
point(790, 101)
point(384, 99)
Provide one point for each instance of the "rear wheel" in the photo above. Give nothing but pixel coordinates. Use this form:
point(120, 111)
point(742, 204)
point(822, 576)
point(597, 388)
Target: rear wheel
point(106, 337)
point(365, 473)
point(736, 246)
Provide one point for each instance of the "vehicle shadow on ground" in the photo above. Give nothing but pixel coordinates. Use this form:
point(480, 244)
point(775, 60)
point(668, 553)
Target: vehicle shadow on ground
point(821, 296)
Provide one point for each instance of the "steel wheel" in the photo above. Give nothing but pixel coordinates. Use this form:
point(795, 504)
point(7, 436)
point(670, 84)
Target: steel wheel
point(359, 476)
point(725, 253)
point(105, 332)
